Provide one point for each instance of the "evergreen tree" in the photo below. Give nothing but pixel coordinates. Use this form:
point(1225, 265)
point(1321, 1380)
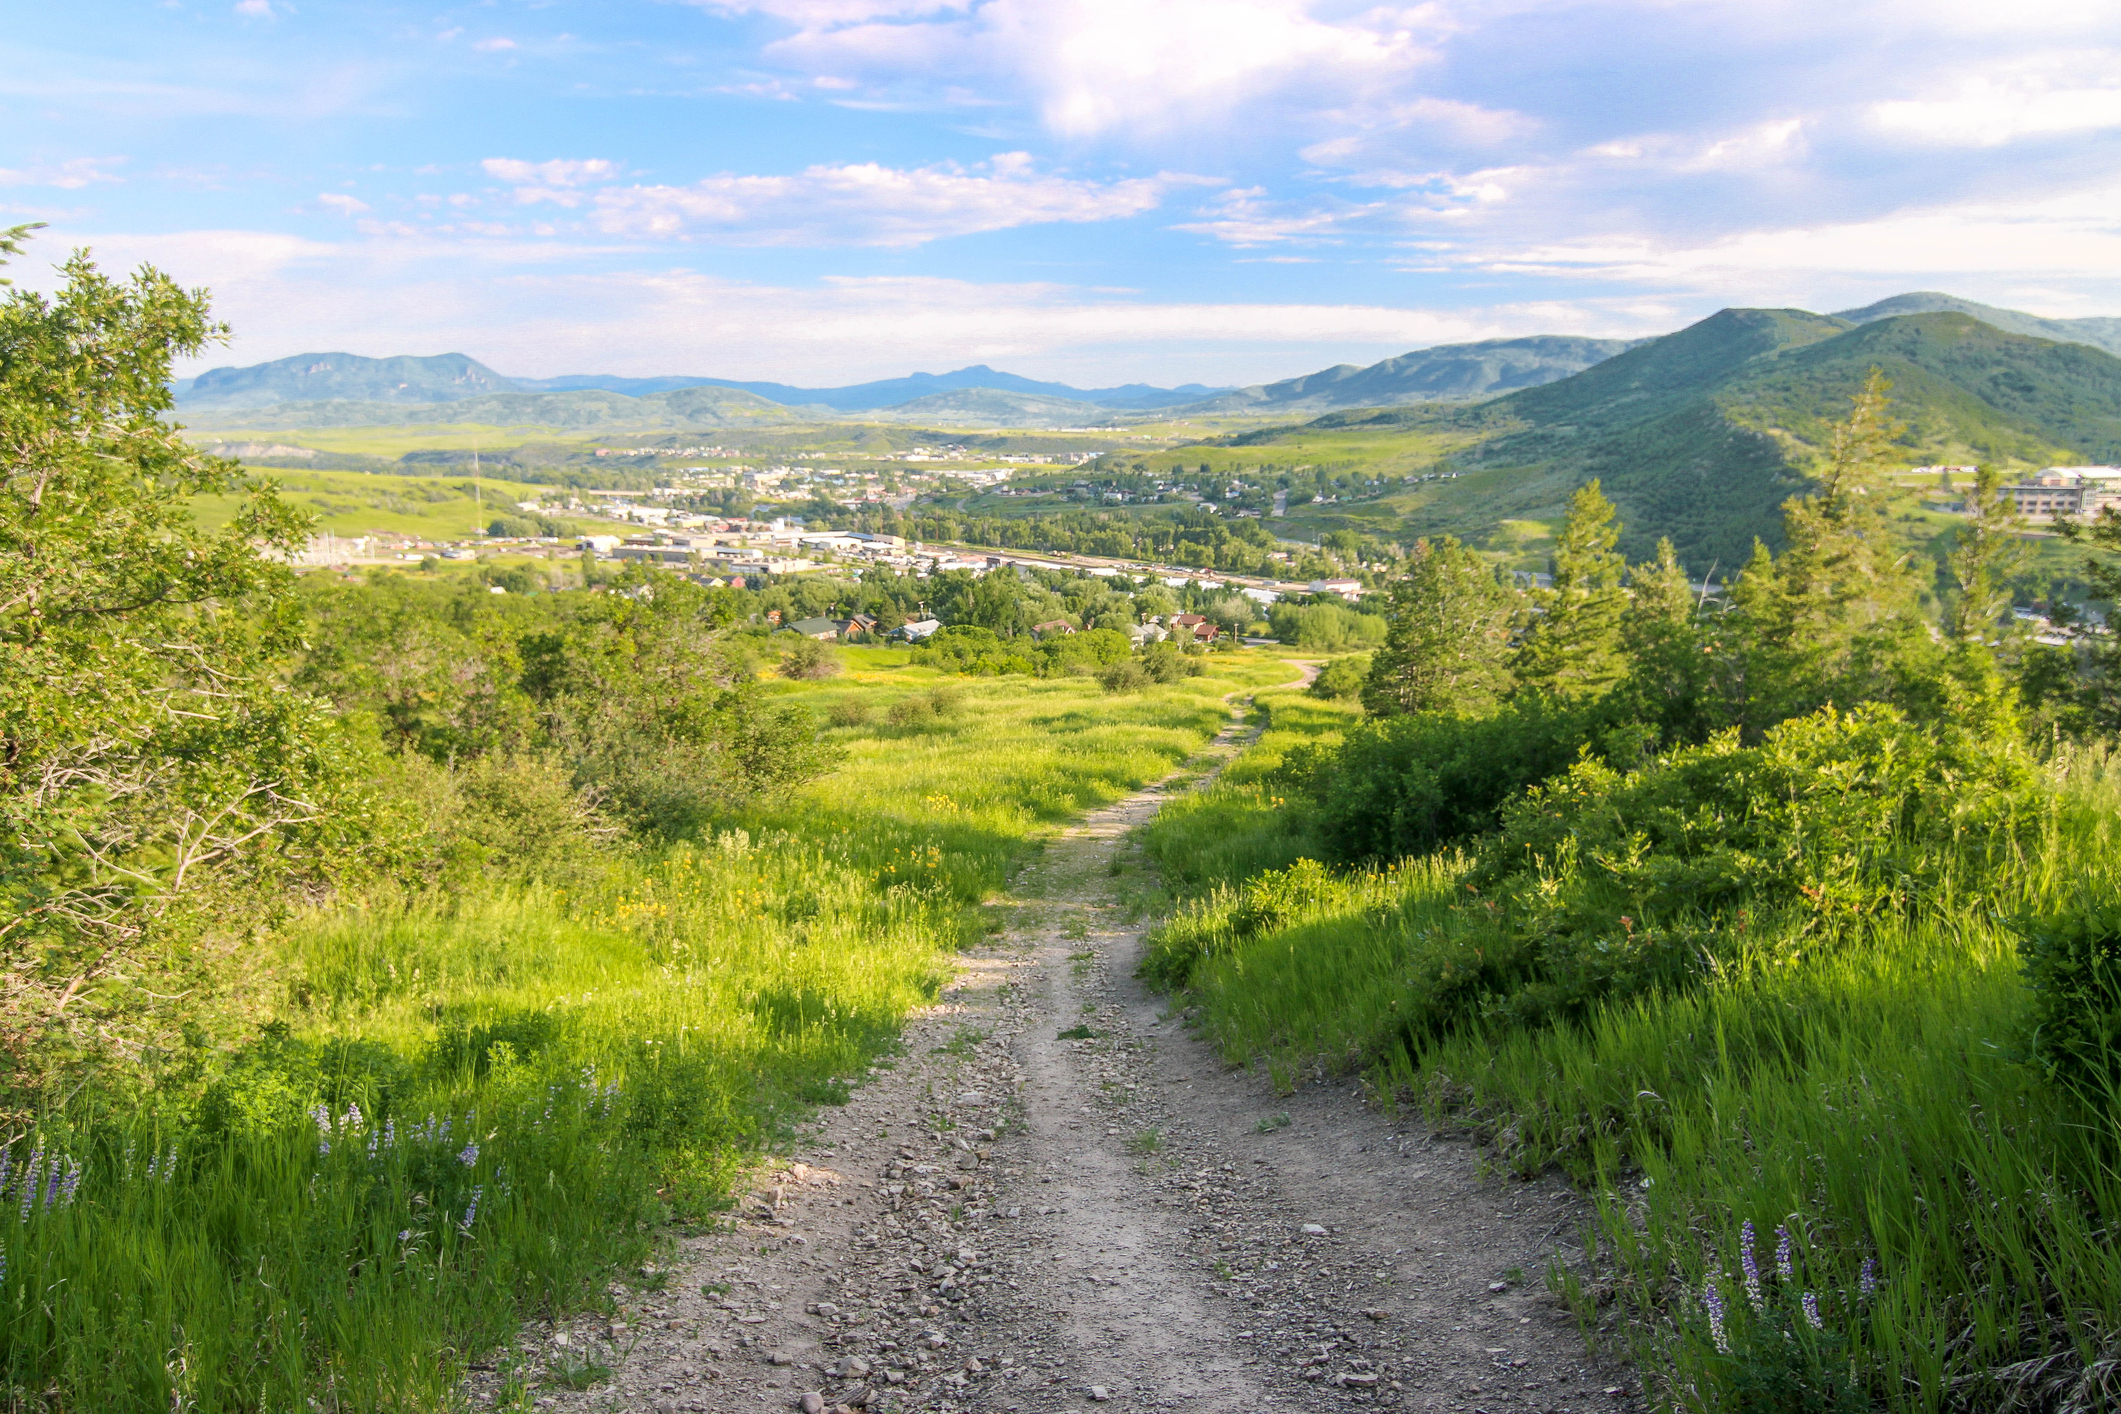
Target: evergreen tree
point(1834, 618)
point(1670, 652)
point(1448, 644)
point(1573, 649)
point(1991, 549)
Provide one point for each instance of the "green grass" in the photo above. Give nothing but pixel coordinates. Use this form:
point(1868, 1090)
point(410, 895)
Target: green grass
point(606, 1058)
point(1863, 1091)
point(350, 503)
point(1242, 824)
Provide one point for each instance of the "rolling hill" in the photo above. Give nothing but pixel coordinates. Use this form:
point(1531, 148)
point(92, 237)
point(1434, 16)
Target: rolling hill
point(2099, 333)
point(1702, 434)
point(352, 378)
point(1448, 371)
point(584, 409)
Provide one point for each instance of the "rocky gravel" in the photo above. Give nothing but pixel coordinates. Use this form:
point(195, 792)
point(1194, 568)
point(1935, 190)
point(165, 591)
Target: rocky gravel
point(1059, 1197)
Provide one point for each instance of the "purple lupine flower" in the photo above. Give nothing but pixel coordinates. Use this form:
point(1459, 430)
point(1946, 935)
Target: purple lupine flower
point(1712, 1299)
point(1751, 1267)
point(29, 1179)
point(323, 1118)
point(469, 1155)
point(1867, 1279)
point(352, 1119)
point(1811, 1312)
point(73, 1185)
point(390, 1132)
point(1782, 1254)
point(471, 1209)
point(7, 1164)
point(169, 1169)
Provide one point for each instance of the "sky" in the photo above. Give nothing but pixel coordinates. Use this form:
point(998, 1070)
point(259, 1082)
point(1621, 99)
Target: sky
point(1092, 191)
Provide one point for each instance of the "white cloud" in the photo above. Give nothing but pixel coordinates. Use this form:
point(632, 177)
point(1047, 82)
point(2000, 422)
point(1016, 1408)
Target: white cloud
point(867, 203)
point(255, 9)
point(342, 204)
point(532, 310)
point(494, 46)
point(1246, 217)
point(1989, 112)
point(553, 181)
point(1101, 66)
point(70, 175)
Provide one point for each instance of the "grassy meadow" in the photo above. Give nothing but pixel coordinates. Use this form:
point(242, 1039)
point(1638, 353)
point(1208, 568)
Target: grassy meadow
point(1828, 1178)
point(465, 1107)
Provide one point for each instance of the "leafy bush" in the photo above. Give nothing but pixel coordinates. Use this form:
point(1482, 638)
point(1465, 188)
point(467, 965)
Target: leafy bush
point(1327, 628)
point(1167, 662)
point(1341, 679)
point(1403, 786)
point(968, 649)
point(1228, 917)
point(2073, 966)
point(810, 661)
point(848, 712)
point(1093, 648)
point(1127, 676)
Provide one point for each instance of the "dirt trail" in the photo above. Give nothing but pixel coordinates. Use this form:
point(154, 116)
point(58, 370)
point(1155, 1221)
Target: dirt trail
point(1060, 1197)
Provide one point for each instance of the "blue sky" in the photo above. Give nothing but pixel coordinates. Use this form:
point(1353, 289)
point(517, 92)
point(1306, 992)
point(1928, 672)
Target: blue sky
point(1100, 191)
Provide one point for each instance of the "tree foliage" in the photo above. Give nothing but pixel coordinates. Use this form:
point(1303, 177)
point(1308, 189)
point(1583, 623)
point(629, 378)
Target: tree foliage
point(1573, 648)
point(1448, 643)
point(148, 747)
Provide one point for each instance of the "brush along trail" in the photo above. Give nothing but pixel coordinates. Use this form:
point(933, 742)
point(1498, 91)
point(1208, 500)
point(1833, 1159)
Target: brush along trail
point(1058, 1197)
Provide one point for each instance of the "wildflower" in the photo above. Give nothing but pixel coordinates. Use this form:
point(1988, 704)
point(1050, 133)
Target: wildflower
point(1811, 1312)
point(469, 1155)
point(1712, 1299)
point(169, 1168)
point(29, 1179)
point(471, 1209)
point(1867, 1279)
point(1752, 1268)
point(323, 1118)
point(390, 1133)
point(7, 1162)
point(72, 1186)
point(353, 1116)
point(1782, 1254)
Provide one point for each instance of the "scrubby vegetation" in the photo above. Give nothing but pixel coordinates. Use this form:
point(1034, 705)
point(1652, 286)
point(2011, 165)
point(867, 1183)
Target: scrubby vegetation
point(1785, 922)
point(390, 960)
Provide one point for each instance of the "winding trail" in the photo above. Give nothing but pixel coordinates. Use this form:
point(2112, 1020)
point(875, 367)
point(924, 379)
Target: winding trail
point(1059, 1197)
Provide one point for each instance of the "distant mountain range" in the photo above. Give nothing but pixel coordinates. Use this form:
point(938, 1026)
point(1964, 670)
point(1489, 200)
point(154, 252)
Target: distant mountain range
point(1702, 434)
point(339, 389)
point(446, 378)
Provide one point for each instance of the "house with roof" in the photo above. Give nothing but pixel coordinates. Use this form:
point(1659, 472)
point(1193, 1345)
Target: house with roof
point(824, 630)
point(916, 630)
point(1052, 628)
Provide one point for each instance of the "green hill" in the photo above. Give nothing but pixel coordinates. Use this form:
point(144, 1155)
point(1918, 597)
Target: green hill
point(1702, 434)
point(1449, 371)
point(2100, 333)
point(586, 409)
point(344, 377)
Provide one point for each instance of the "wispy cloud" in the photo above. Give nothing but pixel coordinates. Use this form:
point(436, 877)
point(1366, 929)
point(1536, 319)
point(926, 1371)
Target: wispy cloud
point(70, 175)
point(867, 203)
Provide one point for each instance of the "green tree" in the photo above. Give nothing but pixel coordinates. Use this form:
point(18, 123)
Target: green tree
point(1990, 551)
point(1573, 648)
point(1671, 654)
point(1835, 616)
point(149, 752)
point(1447, 644)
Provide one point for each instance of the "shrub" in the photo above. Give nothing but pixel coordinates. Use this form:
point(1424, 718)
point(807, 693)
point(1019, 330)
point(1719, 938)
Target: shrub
point(966, 648)
point(1325, 628)
point(1128, 676)
point(809, 661)
point(1227, 918)
point(848, 712)
point(1165, 662)
point(2073, 966)
point(1341, 679)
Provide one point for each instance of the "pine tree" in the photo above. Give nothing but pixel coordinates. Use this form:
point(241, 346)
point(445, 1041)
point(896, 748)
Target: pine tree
point(1835, 616)
point(1574, 647)
point(1991, 549)
point(1671, 652)
point(1448, 644)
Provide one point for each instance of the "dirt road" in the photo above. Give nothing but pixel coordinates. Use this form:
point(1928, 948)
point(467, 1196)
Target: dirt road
point(1059, 1197)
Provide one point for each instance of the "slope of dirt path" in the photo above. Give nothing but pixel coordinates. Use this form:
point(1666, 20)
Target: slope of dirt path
point(1058, 1197)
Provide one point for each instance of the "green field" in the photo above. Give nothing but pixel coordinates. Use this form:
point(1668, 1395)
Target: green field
point(351, 503)
point(464, 1104)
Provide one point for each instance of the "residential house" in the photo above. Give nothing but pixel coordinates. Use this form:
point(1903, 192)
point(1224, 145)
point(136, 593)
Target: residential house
point(1349, 589)
point(917, 630)
point(1052, 627)
point(825, 630)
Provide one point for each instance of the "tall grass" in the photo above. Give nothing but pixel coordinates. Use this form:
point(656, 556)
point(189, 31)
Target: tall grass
point(1240, 826)
point(1948, 1212)
point(474, 1107)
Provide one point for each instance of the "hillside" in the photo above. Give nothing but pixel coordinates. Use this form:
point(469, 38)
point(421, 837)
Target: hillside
point(2098, 332)
point(992, 407)
point(336, 376)
point(1445, 372)
point(578, 410)
point(1701, 435)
